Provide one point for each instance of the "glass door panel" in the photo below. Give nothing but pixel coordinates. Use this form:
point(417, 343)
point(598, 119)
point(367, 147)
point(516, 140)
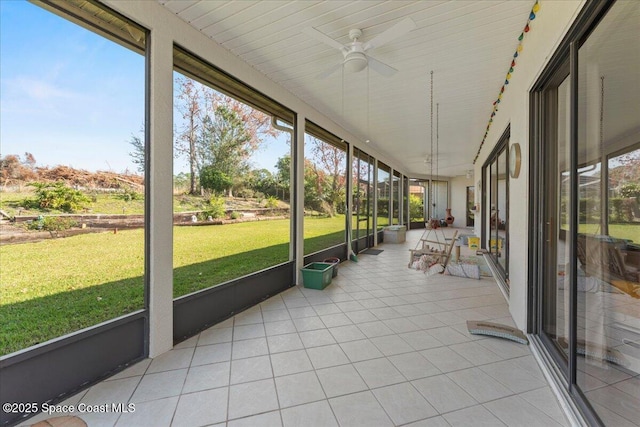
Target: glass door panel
point(608, 239)
point(556, 277)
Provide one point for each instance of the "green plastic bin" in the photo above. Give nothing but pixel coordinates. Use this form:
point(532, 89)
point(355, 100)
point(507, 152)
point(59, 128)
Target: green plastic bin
point(317, 275)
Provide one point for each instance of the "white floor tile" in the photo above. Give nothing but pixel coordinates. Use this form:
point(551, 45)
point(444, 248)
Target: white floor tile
point(446, 359)
point(249, 348)
point(172, 359)
point(374, 329)
point(207, 354)
point(360, 350)
point(275, 315)
point(414, 365)
point(154, 413)
point(443, 393)
point(245, 332)
point(280, 327)
point(316, 338)
point(379, 372)
point(403, 403)
point(252, 398)
point(359, 410)
point(479, 385)
point(327, 356)
point(280, 343)
point(513, 411)
point(298, 389)
point(340, 380)
point(202, 408)
point(160, 385)
point(346, 333)
point(391, 344)
point(308, 324)
point(269, 419)
point(252, 369)
point(205, 377)
point(290, 362)
point(317, 414)
point(215, 336)
point(474, 416)
point(511, 376)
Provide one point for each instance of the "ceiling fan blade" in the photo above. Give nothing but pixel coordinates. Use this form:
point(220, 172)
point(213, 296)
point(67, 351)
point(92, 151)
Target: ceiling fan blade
point(326, 73)
point(398, 30)
point(310, 31)
point(381, 67)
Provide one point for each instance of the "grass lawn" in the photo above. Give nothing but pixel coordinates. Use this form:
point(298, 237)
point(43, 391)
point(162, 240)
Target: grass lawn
point(54, 287)
point(620, 231)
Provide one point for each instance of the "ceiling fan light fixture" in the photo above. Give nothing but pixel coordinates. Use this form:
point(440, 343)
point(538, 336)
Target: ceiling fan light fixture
point(355, 62)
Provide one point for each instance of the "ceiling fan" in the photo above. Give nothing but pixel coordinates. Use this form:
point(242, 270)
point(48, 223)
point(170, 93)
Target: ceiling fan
point(356, 57)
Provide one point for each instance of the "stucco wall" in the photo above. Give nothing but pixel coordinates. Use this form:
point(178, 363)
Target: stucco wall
point(547, 30)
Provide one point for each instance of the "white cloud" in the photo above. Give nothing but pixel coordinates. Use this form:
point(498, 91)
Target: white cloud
point(40, 90)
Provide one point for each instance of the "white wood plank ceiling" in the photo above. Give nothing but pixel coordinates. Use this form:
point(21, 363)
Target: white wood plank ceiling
point(467, 44)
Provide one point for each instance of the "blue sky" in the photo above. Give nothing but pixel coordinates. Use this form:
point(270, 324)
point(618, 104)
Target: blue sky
point(70, 96)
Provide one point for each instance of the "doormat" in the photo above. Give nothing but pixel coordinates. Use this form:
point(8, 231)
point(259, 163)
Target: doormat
point(371, 251)
point(496, 330)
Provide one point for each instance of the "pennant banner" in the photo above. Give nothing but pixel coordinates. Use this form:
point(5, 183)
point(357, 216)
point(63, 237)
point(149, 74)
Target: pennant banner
point(510, 71)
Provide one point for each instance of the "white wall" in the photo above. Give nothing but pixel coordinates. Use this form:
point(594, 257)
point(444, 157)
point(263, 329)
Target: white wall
point(552, 21)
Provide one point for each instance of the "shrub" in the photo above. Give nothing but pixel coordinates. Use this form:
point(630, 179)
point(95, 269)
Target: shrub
point(57, 196)
point(52, 223)
point(246, 193)
point(216, 208)
point(271, 202)
point(235, 215)
point(214, 180)
point(128, 194)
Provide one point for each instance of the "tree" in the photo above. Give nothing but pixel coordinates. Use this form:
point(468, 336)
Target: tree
point(214, 180)
point(224, 144)
point(188, 104)
point(205, 112)
point(137, 155)
point(313, 182)
point(332, 161)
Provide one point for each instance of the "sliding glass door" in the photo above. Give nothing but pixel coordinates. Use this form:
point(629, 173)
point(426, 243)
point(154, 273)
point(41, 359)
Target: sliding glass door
point(586, 219)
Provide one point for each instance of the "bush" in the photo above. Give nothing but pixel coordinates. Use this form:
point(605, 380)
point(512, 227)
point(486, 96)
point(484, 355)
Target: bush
point(216, 208)
point(245, 193)
point(214, 180)
point(272, 202)
point(57, 196)
point(128, 194)
point(235, 215)
point(52, 224)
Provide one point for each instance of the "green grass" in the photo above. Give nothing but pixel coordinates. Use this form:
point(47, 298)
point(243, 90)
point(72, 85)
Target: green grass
point(57, 286)
point(620, 231)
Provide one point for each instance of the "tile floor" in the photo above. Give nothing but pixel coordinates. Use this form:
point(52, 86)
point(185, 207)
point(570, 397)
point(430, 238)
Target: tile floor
point(383, 345)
